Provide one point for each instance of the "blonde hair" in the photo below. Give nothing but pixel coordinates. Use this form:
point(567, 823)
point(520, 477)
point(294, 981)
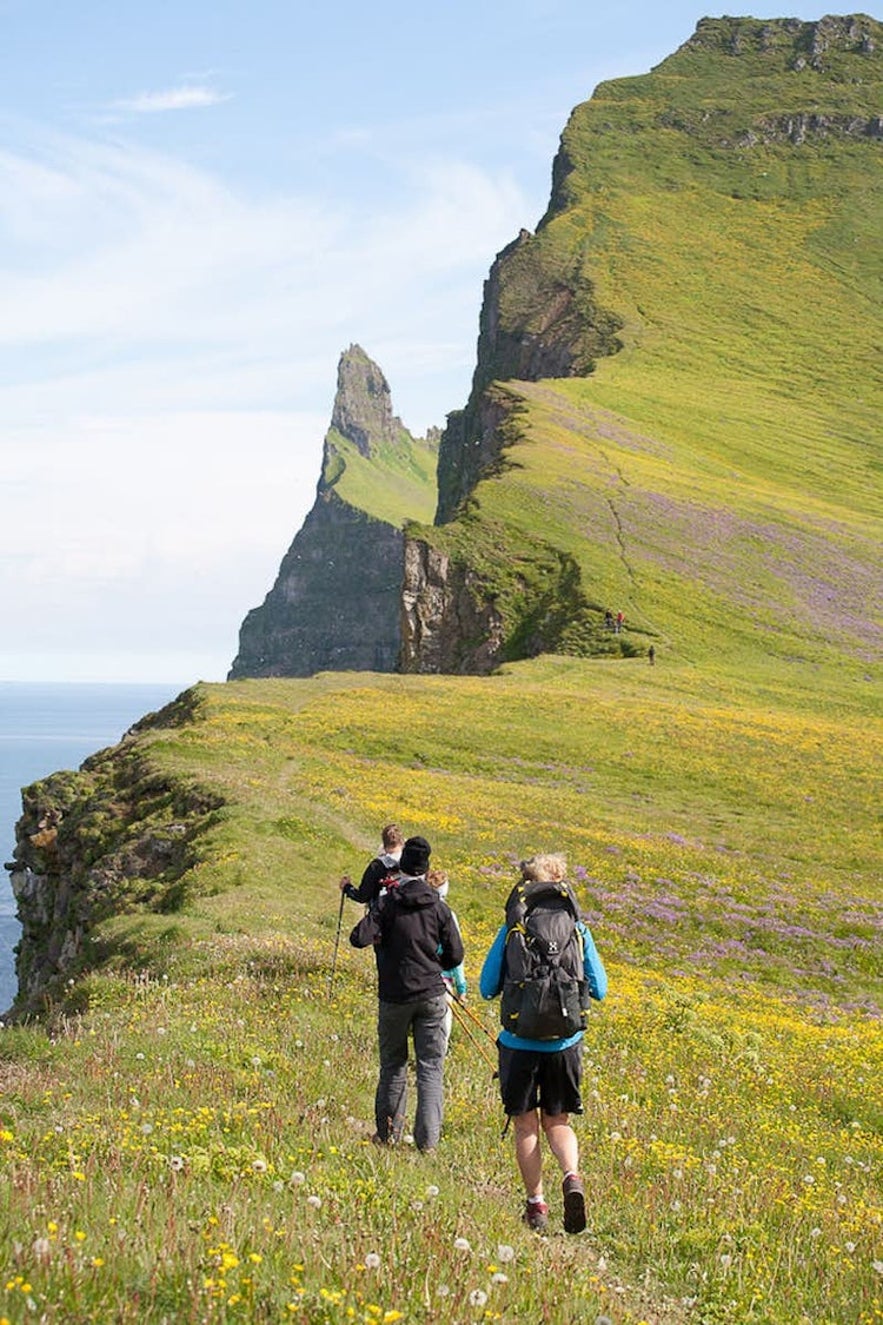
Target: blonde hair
point(548, 868)
point(436, 878)
point(392, 836)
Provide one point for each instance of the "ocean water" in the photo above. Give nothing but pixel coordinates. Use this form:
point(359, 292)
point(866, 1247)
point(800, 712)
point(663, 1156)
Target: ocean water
point(45, 728)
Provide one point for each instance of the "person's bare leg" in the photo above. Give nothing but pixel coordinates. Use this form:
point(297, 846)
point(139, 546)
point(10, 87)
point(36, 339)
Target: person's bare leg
point(562, 1141)
point(565, 1148)
point(527, 1151)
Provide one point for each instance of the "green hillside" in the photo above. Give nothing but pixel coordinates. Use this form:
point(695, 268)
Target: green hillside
point(717, 478)
point(394, 483)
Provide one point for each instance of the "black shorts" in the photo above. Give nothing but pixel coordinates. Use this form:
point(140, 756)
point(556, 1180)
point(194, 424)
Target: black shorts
point(530, 1079)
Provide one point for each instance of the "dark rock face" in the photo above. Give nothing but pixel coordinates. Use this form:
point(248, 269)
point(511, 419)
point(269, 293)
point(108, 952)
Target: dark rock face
point(335, 603)
point(447, 623)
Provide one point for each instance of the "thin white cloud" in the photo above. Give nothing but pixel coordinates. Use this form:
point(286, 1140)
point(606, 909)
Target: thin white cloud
point(189, 96)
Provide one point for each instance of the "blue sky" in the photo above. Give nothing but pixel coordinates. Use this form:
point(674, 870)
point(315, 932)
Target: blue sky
point(201, 206)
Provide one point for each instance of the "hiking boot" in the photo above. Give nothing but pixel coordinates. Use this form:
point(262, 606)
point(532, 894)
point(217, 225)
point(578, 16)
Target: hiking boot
point(536, 1215)
point(574, 1203)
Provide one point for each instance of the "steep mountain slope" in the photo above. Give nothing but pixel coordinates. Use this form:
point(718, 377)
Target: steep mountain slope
point(705, 286)
point(335, 603)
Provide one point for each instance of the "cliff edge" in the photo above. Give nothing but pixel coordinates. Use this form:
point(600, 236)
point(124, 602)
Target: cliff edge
point(335, 603)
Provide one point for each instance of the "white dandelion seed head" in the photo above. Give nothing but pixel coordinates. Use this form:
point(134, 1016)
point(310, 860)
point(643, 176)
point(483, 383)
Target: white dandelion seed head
point(176, 1163)
point(726, 1260)
point(850, 1247)
point(297, 1178)
point(815, 1232)
point(462, 1244)
point(602, 1263)
point(315, 1202)
point(372, 1261)
point(432, 1190)
point(499, 1278)
point(477, 1298)
point(41, 1247)
point(146, 1128)
point(259, 1165)
point(877, 1267)
point(442, 1291)
point(505, 1253)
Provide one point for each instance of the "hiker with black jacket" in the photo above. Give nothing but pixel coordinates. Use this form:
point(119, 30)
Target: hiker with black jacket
point(383, 866)
point(544, 963)
point(415, 938)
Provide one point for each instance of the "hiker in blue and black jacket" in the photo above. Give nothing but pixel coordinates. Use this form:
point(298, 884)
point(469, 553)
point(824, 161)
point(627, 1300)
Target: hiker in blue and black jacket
point(545, 964)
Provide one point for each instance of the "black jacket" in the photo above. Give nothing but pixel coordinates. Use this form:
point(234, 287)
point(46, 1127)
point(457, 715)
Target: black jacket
point(416, 938)
point(380, 868)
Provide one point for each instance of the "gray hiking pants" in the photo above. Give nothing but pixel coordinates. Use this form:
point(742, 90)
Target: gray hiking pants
point(425, 1020)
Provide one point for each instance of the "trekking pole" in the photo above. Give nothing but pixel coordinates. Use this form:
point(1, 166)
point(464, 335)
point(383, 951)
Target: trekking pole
point(455, 1004)
point(471, 1015)
point(336, 942)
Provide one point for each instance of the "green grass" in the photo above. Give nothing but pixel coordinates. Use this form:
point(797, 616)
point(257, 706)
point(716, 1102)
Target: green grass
point(395, 483)
point(722, 841)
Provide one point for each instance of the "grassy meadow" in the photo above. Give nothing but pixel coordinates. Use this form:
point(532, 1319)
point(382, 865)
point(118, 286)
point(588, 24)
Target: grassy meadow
point(187, 1138)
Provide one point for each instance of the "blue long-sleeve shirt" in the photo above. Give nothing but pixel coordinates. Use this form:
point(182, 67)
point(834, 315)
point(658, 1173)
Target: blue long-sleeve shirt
point(490, 984)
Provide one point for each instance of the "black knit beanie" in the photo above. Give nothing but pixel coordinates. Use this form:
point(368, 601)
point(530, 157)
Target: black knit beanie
point(415, 856)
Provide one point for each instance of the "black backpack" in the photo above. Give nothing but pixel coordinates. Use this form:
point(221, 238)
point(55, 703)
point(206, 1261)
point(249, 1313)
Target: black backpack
point(545, 993)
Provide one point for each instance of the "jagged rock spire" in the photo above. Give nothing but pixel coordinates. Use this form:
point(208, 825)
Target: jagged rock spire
point(363, 404)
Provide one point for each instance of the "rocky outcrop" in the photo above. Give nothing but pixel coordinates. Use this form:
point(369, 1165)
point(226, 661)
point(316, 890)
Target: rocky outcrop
point(538, 319)
point(335, 603)
point(448, 622)
point(788, 43)
point(115, 837)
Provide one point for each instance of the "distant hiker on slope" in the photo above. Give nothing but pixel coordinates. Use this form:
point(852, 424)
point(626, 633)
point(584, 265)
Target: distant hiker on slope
point(384, 865)
point(545, 964)
point(455, 980)
point(415, 939)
